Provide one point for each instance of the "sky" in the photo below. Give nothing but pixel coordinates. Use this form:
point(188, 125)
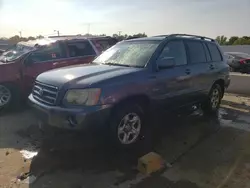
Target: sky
point(203, 17)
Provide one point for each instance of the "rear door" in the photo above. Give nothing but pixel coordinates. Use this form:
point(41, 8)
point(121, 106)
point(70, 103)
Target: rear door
point(78, 52)
point(198, 66)
point(216, 66)
point(40, 61)
point(171, 86)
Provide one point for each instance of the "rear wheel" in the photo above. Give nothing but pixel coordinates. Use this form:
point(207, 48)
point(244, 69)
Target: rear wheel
point(214, 99)
point(232, 69)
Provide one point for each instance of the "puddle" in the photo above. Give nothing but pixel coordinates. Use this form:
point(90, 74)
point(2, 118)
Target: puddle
point(240, 122)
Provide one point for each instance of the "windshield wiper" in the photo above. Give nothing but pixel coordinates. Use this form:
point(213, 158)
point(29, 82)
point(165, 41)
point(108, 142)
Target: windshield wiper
point(116, 64)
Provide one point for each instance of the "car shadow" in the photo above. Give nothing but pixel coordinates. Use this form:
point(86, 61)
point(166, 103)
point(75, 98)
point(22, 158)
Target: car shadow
point(171, 135)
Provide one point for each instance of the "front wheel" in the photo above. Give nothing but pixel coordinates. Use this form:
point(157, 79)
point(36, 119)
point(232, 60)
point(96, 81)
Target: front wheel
point(5, 96)
point(8, 96)
point(214, 99)
point(127, 125)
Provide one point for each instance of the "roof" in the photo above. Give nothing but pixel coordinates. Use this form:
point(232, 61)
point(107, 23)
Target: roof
point(147, 39)
point(162, 37)
point(49, 40)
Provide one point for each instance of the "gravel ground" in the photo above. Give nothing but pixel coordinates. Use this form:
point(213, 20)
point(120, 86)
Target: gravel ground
point(201, 151)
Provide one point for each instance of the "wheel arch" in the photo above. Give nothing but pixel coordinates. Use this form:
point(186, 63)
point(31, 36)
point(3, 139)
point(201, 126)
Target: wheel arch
point(140, 99)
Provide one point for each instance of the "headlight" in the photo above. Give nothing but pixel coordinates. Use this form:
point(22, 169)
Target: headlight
point(86, 97)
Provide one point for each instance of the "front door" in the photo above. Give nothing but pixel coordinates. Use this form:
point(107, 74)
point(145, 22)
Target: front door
point(39, 61)
point(171, 85)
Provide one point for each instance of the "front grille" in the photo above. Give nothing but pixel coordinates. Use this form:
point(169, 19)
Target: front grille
point(44, 93)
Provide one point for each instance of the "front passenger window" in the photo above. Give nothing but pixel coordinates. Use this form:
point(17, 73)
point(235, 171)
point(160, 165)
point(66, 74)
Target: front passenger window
point(176, 50)
point(46, 53)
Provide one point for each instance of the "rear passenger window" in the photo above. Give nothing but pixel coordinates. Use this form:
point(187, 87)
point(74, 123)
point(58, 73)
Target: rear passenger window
point(214, 51)
point(102, 45)
point(196, 52)
point(207, 52)
point(78, 49)
point(175, 49)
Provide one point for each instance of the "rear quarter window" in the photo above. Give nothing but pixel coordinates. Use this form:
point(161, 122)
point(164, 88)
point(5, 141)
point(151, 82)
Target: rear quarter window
point(80, 49)
point(214, 51)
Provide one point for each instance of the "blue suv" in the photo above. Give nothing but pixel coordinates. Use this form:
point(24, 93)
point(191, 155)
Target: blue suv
point(120, 89)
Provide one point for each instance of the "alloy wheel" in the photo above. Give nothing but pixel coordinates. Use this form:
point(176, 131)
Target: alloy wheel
point(215, 98)
point(129, 128)
point(5, 95)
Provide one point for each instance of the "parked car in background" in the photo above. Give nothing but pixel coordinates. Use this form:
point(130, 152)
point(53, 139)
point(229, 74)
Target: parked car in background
point(23, 62)
point(238, 62)
point(129, 81)
point(1, 51)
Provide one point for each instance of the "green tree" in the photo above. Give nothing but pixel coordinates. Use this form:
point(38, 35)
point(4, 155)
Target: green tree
point(242, 41)
point(232, 40)
point(222, 40)
point(31, 38)
point(39, 37)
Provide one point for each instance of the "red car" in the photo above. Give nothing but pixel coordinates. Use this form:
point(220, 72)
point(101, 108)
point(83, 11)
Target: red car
point(22, 63)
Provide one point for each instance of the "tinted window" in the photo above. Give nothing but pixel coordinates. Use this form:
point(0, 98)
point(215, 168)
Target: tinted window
point(207, 52)
point(102, 45)
point(196, 52)
point(47, 53)
point(78, 49)
point(176, 50)
point(214, 51)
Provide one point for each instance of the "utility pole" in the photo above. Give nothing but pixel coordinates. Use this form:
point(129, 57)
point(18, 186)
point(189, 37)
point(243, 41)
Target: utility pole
point(58, 33)
point(119, 33)
point(20, 33)
point(88, 27)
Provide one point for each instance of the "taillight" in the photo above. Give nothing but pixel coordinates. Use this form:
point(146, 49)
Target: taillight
point(242, 61)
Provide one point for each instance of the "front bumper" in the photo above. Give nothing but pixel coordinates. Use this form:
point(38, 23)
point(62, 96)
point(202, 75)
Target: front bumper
point(91, 117)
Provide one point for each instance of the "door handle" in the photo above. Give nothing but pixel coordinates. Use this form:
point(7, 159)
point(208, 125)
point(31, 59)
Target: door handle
point(211, 67)
point(187, 71)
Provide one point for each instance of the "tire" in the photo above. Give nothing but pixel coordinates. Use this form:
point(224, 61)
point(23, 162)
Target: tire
point(214, 99)
point(9, 97)
point(127, 125)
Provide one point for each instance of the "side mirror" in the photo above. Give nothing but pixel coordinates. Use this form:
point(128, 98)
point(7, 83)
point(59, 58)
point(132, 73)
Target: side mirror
point(166, 62)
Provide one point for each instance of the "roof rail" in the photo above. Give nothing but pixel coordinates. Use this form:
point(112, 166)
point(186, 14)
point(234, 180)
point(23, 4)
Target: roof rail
point(193, 36)
point(161, 36)
point(186, 35)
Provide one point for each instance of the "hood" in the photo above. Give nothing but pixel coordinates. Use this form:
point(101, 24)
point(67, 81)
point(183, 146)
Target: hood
point(83, 75)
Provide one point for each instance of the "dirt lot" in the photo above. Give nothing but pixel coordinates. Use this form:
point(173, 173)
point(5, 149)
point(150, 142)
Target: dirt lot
point(201, 151)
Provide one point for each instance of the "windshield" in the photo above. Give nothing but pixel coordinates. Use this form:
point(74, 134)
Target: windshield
point(128, 53)
point(15, 52)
